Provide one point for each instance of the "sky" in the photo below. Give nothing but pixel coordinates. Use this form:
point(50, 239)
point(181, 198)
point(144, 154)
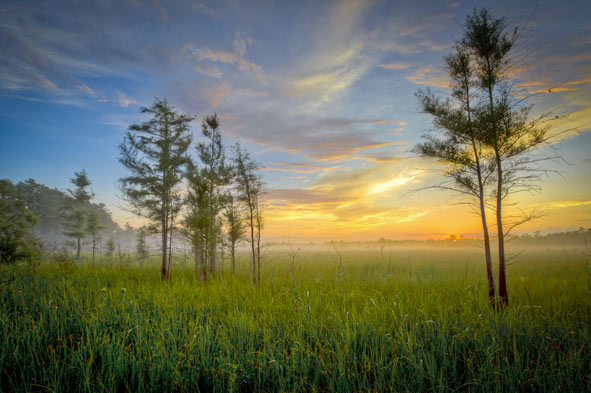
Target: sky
point(321, 93)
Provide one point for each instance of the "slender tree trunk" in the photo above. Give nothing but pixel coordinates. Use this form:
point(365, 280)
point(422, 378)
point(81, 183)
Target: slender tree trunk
point(203, 267)
point(196, 250)
point(212, 236)
point(221, 252)
point(233, 253)
point(93, 248)
point(164, 241)
point(501, 235)
point(487, 253)
point(170, 246)
point(213, 256)
point(254, 265)
point(258, 245)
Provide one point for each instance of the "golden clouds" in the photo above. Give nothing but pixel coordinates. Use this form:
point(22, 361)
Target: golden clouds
point(397, 181)
point(344, 201)
point(567, 204)
point(343, 150)
point(412, 217)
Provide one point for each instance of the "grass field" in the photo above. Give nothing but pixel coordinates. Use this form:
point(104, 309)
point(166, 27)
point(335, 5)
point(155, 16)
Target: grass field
point(369, 320)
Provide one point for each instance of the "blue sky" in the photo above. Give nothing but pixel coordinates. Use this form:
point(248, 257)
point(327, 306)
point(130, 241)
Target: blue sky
point(321, 93)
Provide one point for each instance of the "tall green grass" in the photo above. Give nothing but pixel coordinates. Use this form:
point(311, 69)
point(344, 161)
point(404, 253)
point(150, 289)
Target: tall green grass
point(373, 320)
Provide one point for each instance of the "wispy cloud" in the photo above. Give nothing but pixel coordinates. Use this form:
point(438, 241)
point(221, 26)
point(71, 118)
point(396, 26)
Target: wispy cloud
point(337, 59)
point(428, 76)
point(208, 70)
point(217, 55)
point(405, 36)
point(567, 204)
point(196, 55)
point(296, 167)
point(161, 10)
point(298, 170)
point(124, 101)
point(85, 89)
point(395, 66)
point(45, 83)
point(396, 181)
point(328, 139)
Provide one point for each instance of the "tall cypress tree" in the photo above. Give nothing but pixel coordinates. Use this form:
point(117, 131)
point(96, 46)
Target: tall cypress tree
point(155, 153)
point(217, 175)
point(459, 149)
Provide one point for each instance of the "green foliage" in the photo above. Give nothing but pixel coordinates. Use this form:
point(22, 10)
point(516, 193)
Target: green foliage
point(75, 222)
point(234, 215)
point(400, 328)
point(80, 193)
point(216, 174)
point(110, 248)
point(76, 212)
point(488, 139)
point(141, 248)
point(250, 189)
point(155, 153)
point(197, 218)
point(47, 205)
point(93, 227)
point(16, 221)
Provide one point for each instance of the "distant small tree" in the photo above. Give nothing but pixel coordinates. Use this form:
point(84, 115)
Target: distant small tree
point(141, 247)
point(155, 152)
point(93, 228)
point(110, 248)
point(76, 214)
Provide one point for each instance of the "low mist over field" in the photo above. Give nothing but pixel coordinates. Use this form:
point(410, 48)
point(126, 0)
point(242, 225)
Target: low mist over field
point(333, 196)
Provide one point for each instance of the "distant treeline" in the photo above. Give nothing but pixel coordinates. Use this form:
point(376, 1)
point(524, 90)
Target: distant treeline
point(577, 238)
point(49, 205)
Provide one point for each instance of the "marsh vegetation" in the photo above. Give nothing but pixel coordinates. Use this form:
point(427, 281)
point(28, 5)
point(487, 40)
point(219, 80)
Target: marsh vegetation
point(378, 319)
